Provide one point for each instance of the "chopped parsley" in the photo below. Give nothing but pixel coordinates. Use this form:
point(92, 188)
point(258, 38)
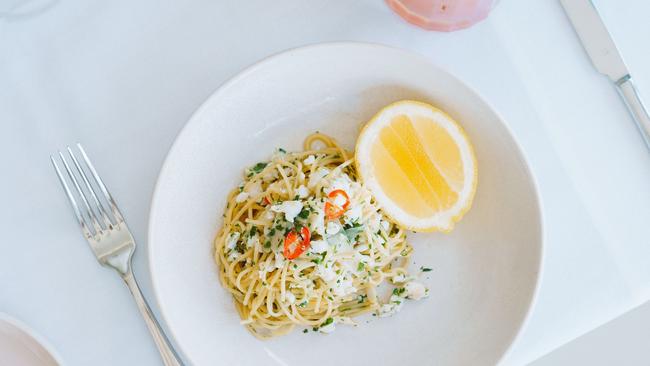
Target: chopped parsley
point(320, 260)
point(425, 269)
point(258, 167)
point(362, 298)
point(353, 232)
point(304, 213)
point(352, 225)
point(272, 232)
point(267, 245)
point(328, 321)
point(240, 247)
point(399, 291)
point(303, 304)
point(360, 266)
point(282, 150)
point(253, 231)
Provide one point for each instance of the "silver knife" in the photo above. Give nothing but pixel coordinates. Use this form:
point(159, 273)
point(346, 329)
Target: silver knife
point(606, 59)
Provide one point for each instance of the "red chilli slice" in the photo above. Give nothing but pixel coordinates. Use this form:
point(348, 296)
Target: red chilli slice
point(294, 244)
point(333, 211)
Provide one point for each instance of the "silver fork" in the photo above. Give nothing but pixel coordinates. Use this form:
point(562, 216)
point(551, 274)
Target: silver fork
point(108, 236)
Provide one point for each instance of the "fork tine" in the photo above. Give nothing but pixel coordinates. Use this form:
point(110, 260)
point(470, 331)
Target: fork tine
point(101, 185)
point(100, 207)
point(90, 213)
point(73, 202)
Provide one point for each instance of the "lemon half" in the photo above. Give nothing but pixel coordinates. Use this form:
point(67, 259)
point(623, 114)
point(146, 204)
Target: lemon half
point(418, 164)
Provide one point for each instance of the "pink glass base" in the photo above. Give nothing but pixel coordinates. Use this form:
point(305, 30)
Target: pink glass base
point(442, 15)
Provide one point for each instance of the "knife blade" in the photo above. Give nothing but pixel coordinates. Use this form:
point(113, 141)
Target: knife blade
point(602, 51)
point(595, 38)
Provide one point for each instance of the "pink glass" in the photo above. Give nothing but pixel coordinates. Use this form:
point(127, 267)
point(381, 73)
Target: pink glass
point(442, 15)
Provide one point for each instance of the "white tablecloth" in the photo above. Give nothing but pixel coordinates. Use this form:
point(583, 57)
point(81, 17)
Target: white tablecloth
point(124, 76)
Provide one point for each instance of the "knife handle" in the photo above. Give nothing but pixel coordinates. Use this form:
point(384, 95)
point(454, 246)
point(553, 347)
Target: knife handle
point(634, 104)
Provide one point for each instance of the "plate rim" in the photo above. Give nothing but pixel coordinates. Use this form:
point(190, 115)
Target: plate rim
point(244, 71)
point(35, 336)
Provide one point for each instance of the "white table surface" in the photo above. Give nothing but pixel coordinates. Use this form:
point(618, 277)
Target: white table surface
point(124, 76)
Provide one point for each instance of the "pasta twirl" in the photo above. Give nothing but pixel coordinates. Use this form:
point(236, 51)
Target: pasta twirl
point(304, 243)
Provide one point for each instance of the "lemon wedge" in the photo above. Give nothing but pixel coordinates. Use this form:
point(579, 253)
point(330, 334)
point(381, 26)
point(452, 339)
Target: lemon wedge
point(418, 164)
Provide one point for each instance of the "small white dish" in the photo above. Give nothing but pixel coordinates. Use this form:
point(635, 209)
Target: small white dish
point(19, 345)
point(485, 273)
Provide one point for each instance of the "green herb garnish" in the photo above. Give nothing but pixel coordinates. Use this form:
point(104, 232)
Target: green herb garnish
point(353, 232)
point(240, 247)
point(304, 213)
point(258, 167)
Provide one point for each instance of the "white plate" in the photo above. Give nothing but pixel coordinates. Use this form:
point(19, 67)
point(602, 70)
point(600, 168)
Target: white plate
point(485, 273)
point(21, 346)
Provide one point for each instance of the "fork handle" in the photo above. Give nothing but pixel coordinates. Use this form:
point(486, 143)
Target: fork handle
point(169, 356)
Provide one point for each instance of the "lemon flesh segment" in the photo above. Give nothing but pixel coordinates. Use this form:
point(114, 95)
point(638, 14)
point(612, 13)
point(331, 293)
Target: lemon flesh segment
point(442, 149)
point(396, 184)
